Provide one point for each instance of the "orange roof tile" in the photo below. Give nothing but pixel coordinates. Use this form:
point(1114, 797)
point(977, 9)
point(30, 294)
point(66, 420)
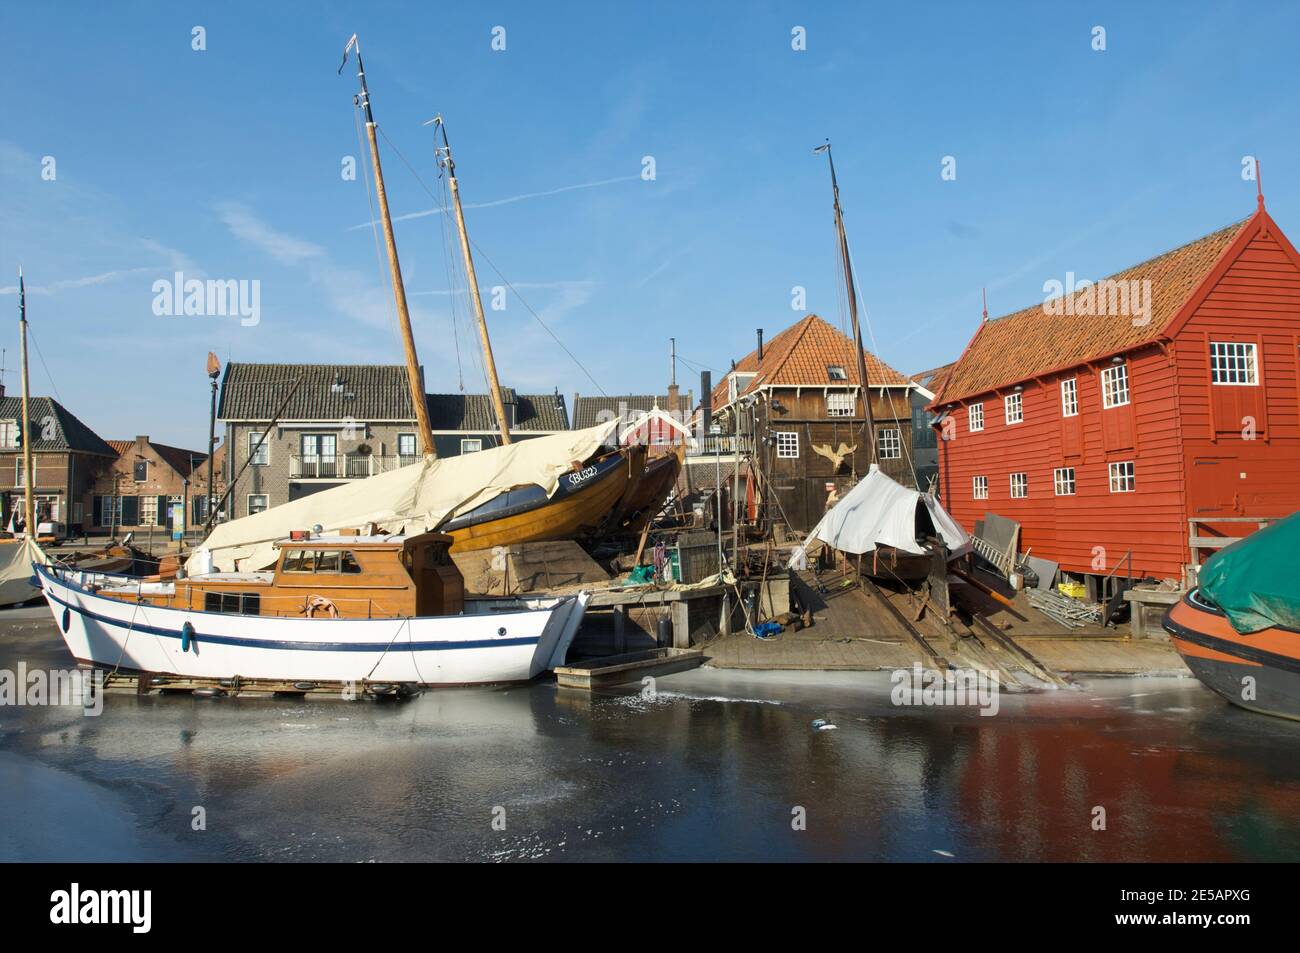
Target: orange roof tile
point(799, 356)
point(1036, 341)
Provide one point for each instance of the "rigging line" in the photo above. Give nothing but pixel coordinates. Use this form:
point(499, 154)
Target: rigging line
point(53, 386)
point(374, 227)
point(907, 451)
point(500, 275)
point(452, 285)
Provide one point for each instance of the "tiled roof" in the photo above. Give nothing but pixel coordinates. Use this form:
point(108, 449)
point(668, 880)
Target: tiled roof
point(1030, 342)
point(182, 461)
point(799, 357)
point(474, 413)
point(590, 411)
point(49, 416)
point(368, 392)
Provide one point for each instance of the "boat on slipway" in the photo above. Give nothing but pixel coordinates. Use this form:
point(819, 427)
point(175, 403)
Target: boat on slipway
point(1239, 629)
point(347, 608)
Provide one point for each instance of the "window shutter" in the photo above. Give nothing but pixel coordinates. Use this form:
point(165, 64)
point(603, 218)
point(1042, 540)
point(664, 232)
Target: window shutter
point(164, 512)
point(98, 507)
point(130, 510)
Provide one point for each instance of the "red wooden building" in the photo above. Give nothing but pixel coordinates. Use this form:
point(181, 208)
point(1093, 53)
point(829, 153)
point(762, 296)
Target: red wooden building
point(1107, 419)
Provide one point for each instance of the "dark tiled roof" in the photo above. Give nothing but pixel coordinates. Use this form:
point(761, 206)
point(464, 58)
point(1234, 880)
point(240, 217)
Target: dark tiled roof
point(369, 392)
point(473, 413)
point(590, 411)
point(1033, 341)
point(68, 433)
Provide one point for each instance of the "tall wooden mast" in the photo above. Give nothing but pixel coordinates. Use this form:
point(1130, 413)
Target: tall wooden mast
point(444, 158)
point(853, 302)
point(28, 474)
point(399, 290)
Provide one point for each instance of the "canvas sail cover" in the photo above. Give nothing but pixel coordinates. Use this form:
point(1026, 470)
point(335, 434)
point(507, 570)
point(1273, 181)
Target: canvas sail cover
point(881, 512)
point(415, 498)
point(1254, 580)
point(16, 560)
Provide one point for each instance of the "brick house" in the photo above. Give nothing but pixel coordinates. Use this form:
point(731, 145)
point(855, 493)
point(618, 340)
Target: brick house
point(346, 422)
point(145, 484)
point(591, 411)
point(67, 457)
point(1110, 433)
point(797, 405)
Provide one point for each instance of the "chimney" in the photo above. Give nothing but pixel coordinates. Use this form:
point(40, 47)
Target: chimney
point(2, 390)
point(706, 401)
point(760, 345)
point(672, 398)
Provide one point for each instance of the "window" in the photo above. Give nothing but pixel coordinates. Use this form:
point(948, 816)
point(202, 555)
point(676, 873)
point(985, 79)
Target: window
point(331, 561)
point(140, 471)
point(1014, 408)
point(261, 455)
point(406, 448)
point(110, 510)
point(975, 416)
point(1019, 485)
point(836, 372)
point(257, 503)
point(1069, 397)
point(8, 434)
point(471, 445)
point(148, 511)
point(1121, 477)
point(1114, 386)
point(319, 454)
point(737, 381)
point(889, 443)
point(839, 405)
point(20, 472)
point(981, 488)
point(787, 444)
point(1233, 363)
point(239, 603)
point(1063, 478)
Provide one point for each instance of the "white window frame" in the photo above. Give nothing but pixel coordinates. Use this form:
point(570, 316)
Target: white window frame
point(465, 441)
point(415, 446)
point(840, 403)
point(1064, 481)
point(149, 511)
point(1237, 362)
point(975, 415)
point(263, 456)
point(832, 375)
point(787, 444)
point(1123, 476)
point(8, 434)
point(1114, 386)
point(889, 443)
point(1070, 397)
point(1022, 485)
point(248, 502)
point(1017, 402)
point(980, 488)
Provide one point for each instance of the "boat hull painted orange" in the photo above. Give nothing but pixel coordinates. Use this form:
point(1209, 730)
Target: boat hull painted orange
point(1259, 671)
point(582, 513)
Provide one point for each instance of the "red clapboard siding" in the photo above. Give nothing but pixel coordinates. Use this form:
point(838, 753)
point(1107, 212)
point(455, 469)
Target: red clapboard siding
point(1198, 449)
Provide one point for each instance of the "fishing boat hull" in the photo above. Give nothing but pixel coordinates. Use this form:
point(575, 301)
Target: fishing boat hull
point(645, 502)
point(580, 506)
point(506, 645)
point(1259, 671)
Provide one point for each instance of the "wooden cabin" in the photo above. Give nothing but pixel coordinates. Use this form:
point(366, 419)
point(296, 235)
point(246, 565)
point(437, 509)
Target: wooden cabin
point(1139, 436)
point(353, 577)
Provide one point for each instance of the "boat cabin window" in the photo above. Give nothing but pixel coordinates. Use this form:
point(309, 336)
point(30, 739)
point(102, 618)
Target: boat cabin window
point(239, 603)
point(320, 561)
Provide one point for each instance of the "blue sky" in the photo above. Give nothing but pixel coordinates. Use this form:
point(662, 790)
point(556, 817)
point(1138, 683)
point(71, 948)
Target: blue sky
point(226, 164)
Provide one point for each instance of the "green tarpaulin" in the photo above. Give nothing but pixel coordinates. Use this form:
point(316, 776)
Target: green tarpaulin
point(1256, 580)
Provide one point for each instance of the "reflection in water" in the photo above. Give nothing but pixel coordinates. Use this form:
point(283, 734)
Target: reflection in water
point(711, 767)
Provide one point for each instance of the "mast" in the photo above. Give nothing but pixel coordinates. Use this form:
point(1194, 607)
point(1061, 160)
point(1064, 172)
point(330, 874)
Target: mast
point(853, 302)
point(30, 507)
point(214, 371)
point(399, 290)
point(445, 160)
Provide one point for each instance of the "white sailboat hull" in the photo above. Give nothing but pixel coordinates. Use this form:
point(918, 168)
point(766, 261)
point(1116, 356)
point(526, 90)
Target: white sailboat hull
point(479, 648)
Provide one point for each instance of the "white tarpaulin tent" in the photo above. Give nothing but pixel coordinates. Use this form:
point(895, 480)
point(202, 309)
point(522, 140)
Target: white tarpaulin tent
point(418, 497)
point(881, 512)
point(16, 558)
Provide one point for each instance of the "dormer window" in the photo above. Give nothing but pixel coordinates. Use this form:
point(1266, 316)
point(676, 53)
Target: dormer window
point(337, 386)
point(836, 372)
point(737, 381)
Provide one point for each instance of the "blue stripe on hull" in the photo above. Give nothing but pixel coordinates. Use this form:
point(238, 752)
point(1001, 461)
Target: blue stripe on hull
point(209, 639)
